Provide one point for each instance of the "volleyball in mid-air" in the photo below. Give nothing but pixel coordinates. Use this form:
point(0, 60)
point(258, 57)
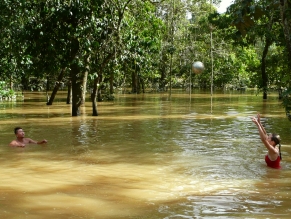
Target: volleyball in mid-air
point(198, 67)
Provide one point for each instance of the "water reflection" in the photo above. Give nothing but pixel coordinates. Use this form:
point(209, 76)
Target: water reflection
point(144, 157)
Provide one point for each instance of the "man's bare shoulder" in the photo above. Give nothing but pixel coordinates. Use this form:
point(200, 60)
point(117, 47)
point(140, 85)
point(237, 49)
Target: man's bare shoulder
point(15, 143)
point(12, 143)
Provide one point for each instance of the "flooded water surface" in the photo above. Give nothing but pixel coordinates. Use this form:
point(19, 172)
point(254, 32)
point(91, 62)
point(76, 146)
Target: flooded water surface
point(144, 156)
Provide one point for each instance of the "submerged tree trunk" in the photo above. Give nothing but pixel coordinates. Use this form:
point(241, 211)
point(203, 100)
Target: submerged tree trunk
point(10, 82)
point(69, 93)
point(56, 88)
point(93, 97)
point(138, 83)
point(85, 81)
point(99, 81)
point(111, 89)
point(84, 87)
point(141, 82)
point(76, 89)
point(24, 83)
point(76, 79)
point(96, 90)
point(163, 69)
point(134, 82)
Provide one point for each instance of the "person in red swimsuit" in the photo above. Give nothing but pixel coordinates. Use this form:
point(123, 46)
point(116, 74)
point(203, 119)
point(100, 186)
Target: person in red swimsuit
point(273, 157)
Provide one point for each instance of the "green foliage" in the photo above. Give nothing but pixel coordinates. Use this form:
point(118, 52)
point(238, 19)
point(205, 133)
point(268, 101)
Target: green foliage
point(141, 43)
point(258, 28)
point(6, 93)
point(122, 42)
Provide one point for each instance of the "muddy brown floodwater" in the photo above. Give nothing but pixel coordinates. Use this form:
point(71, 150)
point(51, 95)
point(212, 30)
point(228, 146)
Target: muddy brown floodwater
point(144, 156)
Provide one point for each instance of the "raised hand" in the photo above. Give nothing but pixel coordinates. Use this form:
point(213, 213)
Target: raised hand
point(255, 120)
point(259, 117)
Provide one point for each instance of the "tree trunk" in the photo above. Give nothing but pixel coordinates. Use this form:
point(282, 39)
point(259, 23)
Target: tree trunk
point(111, 90)
point(99, 81)
point(76, 79)
point(76, 90)
point(96, 90)
point(84, 87)
point(85, 81)
point(163, 71)
point(56, 88)
point(69, 93)
point(93, 97)
point(24, 83)
point(138, 83)
point(263, 70)
point(47, 83)
point(134, 82)
point(141, 81)
point(11, 83)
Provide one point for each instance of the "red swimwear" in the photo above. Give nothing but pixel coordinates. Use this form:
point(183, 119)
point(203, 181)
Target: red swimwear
point(273, 164)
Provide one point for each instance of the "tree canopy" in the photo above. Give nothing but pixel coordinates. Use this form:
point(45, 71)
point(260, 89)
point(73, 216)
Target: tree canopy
point(144, 45)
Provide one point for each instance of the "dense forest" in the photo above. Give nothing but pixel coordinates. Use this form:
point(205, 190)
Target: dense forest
point(144, 46)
